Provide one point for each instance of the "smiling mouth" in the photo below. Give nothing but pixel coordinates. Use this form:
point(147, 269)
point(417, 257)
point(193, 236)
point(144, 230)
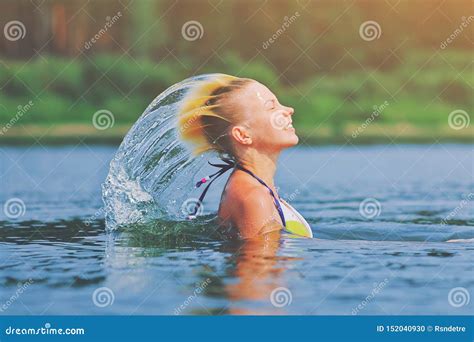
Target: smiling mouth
point(289, 126)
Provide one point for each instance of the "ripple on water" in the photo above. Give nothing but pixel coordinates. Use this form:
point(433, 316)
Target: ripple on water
point(67, 254)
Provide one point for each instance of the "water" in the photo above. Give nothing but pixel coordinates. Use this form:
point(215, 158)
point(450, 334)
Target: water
point(153, 168)
point(59, 254)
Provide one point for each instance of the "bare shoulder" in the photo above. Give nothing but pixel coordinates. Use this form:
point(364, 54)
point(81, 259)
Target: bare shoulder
point(242, 190)
point(249, 206)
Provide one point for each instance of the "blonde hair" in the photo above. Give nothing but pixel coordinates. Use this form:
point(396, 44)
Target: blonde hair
point(204, 119)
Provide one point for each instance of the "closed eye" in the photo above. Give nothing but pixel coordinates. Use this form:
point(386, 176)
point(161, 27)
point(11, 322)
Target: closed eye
point(270, 104)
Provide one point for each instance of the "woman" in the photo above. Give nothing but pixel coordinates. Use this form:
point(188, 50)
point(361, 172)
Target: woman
point(243, 119)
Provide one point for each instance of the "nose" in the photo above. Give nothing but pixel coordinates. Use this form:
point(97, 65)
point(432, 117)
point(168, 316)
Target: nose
point(290, 110)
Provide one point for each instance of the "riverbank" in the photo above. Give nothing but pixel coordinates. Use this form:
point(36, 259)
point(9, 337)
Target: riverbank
point(74, 133)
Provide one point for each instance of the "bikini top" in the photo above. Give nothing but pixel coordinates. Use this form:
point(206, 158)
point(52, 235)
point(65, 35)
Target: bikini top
point(291, 220)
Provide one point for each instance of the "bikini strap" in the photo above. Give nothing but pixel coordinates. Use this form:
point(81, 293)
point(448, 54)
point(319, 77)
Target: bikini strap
point(223, 168)
point(275, 199)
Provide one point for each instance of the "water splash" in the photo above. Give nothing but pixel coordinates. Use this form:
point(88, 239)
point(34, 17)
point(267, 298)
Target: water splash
point(153, 170)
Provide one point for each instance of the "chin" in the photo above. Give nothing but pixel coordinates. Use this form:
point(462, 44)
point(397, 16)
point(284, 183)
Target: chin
point(283, 142)
point(296, 140)
point(290, 142)
point(293, 140)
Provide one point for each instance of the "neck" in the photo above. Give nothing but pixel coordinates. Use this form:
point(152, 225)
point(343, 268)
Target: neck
point(261, 164)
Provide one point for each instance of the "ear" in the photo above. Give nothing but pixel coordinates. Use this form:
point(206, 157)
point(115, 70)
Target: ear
point(241, 135)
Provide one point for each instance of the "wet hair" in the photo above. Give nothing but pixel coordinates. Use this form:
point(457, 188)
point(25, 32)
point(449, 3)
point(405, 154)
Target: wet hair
point(206, 116)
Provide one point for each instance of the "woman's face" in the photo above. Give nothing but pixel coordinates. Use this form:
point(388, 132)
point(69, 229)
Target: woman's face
point(267, 122)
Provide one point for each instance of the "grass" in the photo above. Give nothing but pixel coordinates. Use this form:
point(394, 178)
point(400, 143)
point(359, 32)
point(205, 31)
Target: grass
point(417, 97)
